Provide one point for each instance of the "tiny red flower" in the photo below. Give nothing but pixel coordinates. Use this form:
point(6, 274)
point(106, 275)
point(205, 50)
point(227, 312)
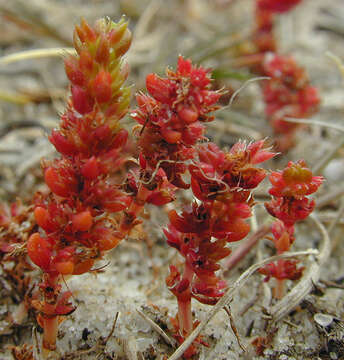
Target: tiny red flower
point(289, 209)
point(282, 270)
point(295, 180)
point(218, 173)
point(288, 93)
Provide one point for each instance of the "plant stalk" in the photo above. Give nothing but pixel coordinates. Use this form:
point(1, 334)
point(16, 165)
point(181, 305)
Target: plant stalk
point(184, 305)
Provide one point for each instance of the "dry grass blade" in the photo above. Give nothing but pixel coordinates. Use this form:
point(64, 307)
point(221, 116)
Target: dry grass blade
point(305, 285)
point(242, 87)
point(231, 128)
point(14, 98)
point(333, 224)
point(24, 16)
point(335, 194)
point(35, 340)
point(320, 165)
point(145, 18)
point(228, 296)
point(315, 122)
point(336, 220)
point(130, 348)
point(336, 60)
point(35, 54)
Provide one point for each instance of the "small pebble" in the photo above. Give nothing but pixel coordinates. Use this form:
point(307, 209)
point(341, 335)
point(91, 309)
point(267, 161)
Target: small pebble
point(323, 320)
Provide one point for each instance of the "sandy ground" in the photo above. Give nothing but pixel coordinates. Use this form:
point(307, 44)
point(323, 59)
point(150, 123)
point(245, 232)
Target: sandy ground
point(32, 94)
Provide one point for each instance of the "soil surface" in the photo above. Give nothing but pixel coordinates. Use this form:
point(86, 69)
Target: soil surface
point(131, 279)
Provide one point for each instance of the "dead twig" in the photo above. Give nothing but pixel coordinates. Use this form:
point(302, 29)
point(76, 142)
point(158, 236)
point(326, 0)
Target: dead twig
point(157, 328)
point(332, 284)
point(112, 329)
point(233, 327)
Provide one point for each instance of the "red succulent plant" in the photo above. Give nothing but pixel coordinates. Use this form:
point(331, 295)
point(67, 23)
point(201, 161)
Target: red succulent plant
point(289, 205)
point(172, 118)
point(75, 217)
point(288, 93)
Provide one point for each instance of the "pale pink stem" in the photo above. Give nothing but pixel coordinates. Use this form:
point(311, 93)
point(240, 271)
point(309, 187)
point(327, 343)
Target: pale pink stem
point(184, 305)
point(245, 247)
point(50, 321)
point(50, 332)
point(279, 289)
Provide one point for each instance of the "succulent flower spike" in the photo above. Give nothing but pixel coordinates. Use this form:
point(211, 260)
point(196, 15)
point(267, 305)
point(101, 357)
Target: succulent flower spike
point(75, 218)
point(222, 181)
point(171, 121)
point(288, 93)
point(290, 188)
point(172, 117)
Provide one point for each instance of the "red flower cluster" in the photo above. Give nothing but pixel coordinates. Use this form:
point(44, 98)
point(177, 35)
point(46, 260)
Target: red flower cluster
point(172, 118)
point(283, 238)
point(282, 270)
point(171, 124)
point(264, 38)
point(75, 218)
point(290, 204)
point(287, 94)
point(277, 6)
point(289, 190)
point(216, 171)
point(222, 181)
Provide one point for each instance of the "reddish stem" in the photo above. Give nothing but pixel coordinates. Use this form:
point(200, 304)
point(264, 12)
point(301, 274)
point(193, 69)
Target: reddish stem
point(50, 321)
point(246, 246)
point(185, 317)
point(50, 332)
point(184, 305)
point(279, 289)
